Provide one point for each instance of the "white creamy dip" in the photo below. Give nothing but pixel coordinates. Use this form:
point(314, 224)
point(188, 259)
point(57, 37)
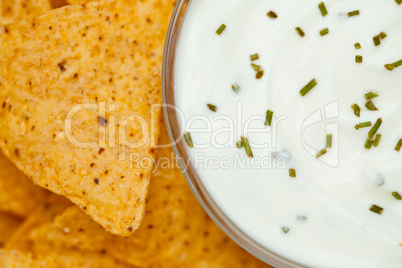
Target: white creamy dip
point(327, 206)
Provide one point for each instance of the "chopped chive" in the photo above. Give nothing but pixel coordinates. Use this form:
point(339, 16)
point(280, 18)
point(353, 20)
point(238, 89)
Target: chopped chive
point(247, 147)
point(369, 144)
point(358, 46)
point(321, 153)
point(365, 124)
point(254, 57)
point(356, 109)
point(392, 66)
point(239, 144)
point(188, 139)
point(272, 15)
point(324, 32)
point(354, 13)
point(300, 32)
point(399, 145)
point(377, 40)
point(382, 35)
point(235, 87)
point(285, 229)
point(255, 67)
point(376, 209)
point(375, 128)
point(377, 140)
point(212, 107)
point(308, 87)
point(359, 58)
point(268, 119)
point(292, 173)
point(396, 194)
point(329, 141)
point(399, 2)
point(357, 127)
point(323, 9)
point(259, 74)
point(221, 29)
point(370, 105)
point(370, 95)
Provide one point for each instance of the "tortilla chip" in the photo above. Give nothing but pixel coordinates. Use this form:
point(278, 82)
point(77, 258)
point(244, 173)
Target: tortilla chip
point(16, 10)
point(67, 259)
point(15, 188)
point(176, 231)
point(8, 225)
point(53, 63)
point(45, 213)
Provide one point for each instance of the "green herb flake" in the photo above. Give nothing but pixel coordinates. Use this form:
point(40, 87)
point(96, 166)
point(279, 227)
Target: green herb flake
point(377, 40)
point(285, 229)
point(392, 66)
point(254, 57)
point(259, 74)
point(365, 124)
point(370, 95)
point(376, 209)
point(268, 119)
point(255, 67)
point(272, 15)
point(321, 153)
point(370, 106)
point(358, 46)
point(369, 143)
point(324, 32)
point(397, 195)
point(356, 109)
point(188, 139)
point(329, 141)
point(239, 144)
point(247, 147)
point(357, 127)
point(292, 173)
point(212, 107)
point(377, 140)
point(399, 2)
point(353, 13)
point(375, 128)
point(359, 58)
point(323, 9)
point(221, 29)
point(399, 145)
point(235, 87)
point(306, 89)
point(300, 32)
point(382, 35)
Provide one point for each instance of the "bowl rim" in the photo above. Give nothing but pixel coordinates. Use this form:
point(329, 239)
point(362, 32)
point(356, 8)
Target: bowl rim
point(196, 185)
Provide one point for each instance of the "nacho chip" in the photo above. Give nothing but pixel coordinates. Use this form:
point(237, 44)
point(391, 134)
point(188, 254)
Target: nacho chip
point(8, 225)
point(16, 188)
point(176, 231)
point(43, 214)
point(16, 10)
point(65, 83)
point(67, 259)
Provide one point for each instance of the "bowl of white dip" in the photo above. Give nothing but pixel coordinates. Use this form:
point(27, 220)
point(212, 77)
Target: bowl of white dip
point(286, 120)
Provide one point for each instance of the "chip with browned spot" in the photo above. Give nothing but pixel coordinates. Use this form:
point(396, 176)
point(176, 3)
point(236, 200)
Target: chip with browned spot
point(16, 10)
point(76, 100)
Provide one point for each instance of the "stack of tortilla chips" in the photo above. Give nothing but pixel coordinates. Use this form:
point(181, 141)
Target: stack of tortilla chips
point(82, 181)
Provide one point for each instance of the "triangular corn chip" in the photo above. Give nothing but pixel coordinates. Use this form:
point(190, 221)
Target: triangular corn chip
point(76, 89)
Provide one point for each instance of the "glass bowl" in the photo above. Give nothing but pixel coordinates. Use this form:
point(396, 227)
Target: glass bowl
point(196, 185)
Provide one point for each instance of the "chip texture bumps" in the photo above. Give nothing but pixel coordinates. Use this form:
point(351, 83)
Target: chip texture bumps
point(15, 10)
point(64, 83)
point(176, 231)
point(18, 195)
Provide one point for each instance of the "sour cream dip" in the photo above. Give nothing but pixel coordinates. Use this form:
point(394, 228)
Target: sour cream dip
point(342, 206)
